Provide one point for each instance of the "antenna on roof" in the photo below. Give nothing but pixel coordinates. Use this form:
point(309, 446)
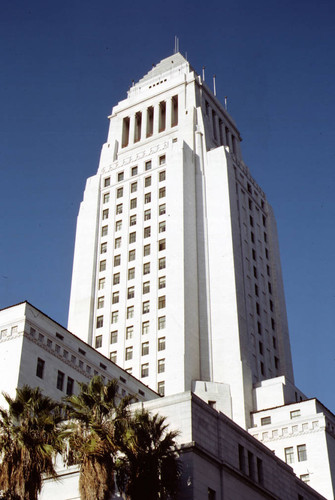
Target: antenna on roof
point(226, 103)
point(176, 44)
point(203, 73)
point(214, 85)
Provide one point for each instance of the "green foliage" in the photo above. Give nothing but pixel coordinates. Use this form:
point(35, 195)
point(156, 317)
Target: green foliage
point(97, 419)
point(30, 437)
point(149, 467)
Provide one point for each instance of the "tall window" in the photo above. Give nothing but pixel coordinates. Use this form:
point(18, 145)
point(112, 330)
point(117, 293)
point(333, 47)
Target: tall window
point(69, 386)
point(145, 348)
point(114, 337)
point(161, 302)
point(145, 327)
point(125, 131)
point(129, 332)
point(60, 380)
point(161, 344)
point(138, 126)
point(131, 273)
point(100, 321)
point(174, 111)
point(289, 455)
point(40, 368)
point(162, 116)
point(115, 298)
point(146, 268)
point(129, 353)
point(161, 388)
point(115, 316)
point(302, 452)
point(146, 307)
point(161, 323)
point(119, 192)
point(145, 370)
point(130, 312)
point(150, 121)
point(161, 366)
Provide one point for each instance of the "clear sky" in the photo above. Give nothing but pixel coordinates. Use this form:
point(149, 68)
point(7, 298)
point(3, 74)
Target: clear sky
point(65, 64)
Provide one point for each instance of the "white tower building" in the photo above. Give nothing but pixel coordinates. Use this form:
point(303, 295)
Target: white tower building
point(176, 273)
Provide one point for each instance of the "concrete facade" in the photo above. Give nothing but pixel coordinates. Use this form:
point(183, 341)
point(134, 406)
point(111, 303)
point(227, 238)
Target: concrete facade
point(220, 460)
point(37, 351)
point(176, 272)
point(299, 431)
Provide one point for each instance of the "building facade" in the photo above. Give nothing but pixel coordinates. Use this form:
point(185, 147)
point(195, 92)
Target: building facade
point(176, 273)
point(37, 351)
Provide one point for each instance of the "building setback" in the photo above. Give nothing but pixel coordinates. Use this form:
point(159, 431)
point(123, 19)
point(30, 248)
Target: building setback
point(176, 273)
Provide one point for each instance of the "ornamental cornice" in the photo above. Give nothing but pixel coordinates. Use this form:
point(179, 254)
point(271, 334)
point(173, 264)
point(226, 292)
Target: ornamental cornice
point(136, 156)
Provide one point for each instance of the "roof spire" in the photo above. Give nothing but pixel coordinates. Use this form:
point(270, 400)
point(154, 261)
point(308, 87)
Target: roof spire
point(176, 44)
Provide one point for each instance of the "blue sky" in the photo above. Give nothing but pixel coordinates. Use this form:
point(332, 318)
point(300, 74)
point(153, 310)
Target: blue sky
point(65, 64)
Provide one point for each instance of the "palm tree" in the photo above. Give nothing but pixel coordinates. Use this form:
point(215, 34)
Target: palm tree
point(30, 437)
point(97, 416)
point(149, 467)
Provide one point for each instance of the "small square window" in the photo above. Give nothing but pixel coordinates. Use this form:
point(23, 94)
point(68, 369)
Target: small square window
point(162, 209)
point(295, 414)
point(101, 284)
point(118, 225)
point(162, 263)
point(120, 176)
point(129, 332)
point(132, 255)
point(161, 302)
point(105, 214)
point(145, 327)
point(162, 160)
point(161, 366)
point(100, 321)
point(162, 282)
point(117, 260)
point(132, 237)
point(105, 198)
point(146, 307)
point(162, 176)
point(113, 356)
point(131, 292)
point(133, 187)
point(146, 287)
point(147, 198)
point(129, 353)
point(119, 192)
point(162, 227)
point(161, 344)
point(146, 250)
point(114, 337)
point(130, 312)
point(146, 268)
point(133, 203)
point(117, 243)
point(107, 181)
point(145, 370)
point(104, 230)
point(119, 208)
point(147, 181)
point(147, 233)
point(147, 214)
point(162, 245)
point(115, 316)
point(132, 220)
point(116, 278)
point(115, 297)
point(162, 192)
point(102, 266)
point(161, 323)
point(145, 348)
point(131, 273)
point(98, 341)
point(148, 165)
point(134, 171)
